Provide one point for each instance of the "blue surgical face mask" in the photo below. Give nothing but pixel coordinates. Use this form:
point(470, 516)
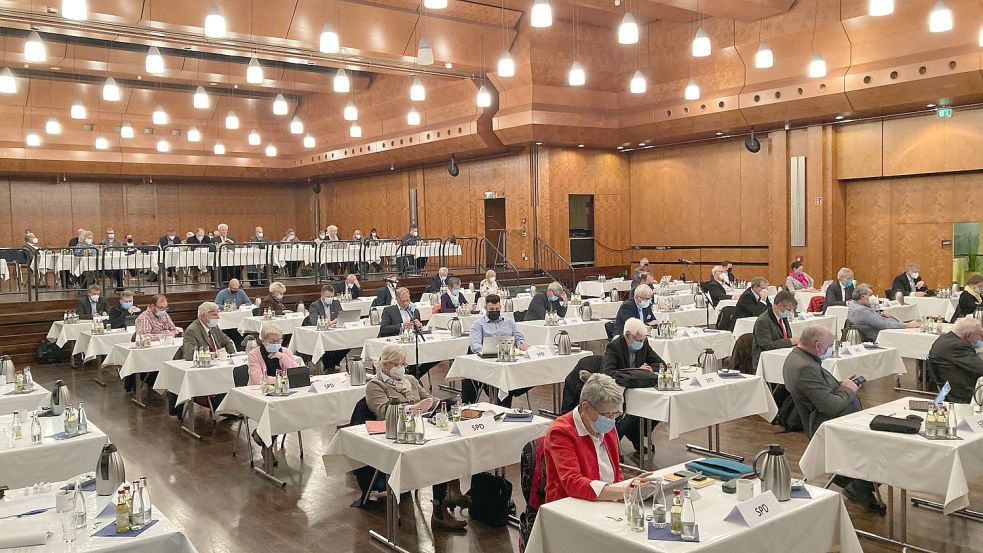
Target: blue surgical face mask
point(213, 323)
point(645, 304)
point(554, 298)
point(635, 346)
point(126, 304)
point(848, 282)
point(455, 299)
point(272, 348)
point(160, 313)
point(978, 344)
point(328, 301)
point(827, 354)
point(785, 314)
point(455, 292)
point(603, 424)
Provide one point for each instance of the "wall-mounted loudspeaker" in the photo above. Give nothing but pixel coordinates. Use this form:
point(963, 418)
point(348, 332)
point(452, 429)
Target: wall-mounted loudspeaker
point(452, 168)
point(752, 144)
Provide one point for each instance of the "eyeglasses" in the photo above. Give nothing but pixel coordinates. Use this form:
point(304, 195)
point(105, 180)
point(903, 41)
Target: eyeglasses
point(611, 414)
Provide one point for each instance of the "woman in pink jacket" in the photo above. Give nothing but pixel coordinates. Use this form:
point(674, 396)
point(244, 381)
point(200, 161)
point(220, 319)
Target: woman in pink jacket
point(264, 361)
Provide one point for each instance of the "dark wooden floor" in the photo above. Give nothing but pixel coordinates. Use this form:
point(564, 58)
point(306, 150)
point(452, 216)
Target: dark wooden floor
point(224, 507)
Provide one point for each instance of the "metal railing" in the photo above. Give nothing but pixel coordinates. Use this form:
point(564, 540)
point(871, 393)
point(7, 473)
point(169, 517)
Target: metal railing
point(505, 271)
point(414, 255)
point(123, 266)
point(553, 264)
point(15, 269)
point(182, 265)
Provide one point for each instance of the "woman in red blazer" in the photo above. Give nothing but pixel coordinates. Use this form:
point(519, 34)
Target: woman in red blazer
point(582, 445)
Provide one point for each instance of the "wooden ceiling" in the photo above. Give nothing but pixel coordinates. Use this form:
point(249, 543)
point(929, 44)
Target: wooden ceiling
point(877, 65)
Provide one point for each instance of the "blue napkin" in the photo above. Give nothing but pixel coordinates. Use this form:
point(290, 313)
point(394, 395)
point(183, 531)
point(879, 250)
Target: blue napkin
point(87, 485)
point(517, 417)
point(730, 374)
point(63, 436)
point(801, 493)
point(664, 534)
point(109, 531)
point(290, 393)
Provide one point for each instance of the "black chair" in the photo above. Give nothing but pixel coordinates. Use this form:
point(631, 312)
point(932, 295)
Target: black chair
point(740, 357)
point(940, 372)
point(727, 318)
point(572, 384)
point(240, 378)
point(368, 478)
point(609, 329)
point(519, 316)
point(532, 478)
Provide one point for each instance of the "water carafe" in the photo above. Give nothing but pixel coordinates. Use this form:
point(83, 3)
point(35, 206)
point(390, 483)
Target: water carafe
point(586, 313)
point(774, 473)
point(562, 343)
point(59, 398)
point(110, 471)
point(708, 361)
point(456, 328)
point(356, 372)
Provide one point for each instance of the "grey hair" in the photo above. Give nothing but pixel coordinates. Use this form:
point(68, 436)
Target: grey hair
point(391, 356)
point(643, 291)
point(911, 265)
point(861, 290)
point(600, 389)
point(555, 287)
point(207, 307)
point(759, 282)
point(126, 294)
point(270, 330)
point(277, 286)
point(843, 272)
point(814, 333)
point(399, 291)
point(635, 326)
point(966, 325)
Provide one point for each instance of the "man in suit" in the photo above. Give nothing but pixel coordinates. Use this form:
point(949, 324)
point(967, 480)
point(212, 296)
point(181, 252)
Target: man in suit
point(715, 286)
point(820, 397)
point(728, 276)
point(644, 277)
point(554, 298)
point(841, 291)
point(387, 293)
point(410, 239)
point(639, 306)
point(92, 303)
point(351, 287)
point(204, 333)
point(170, 238)
point(630, 350)
point(439, 280)
point(909, 283)
point(399, 316)
point(123, 311)
point(222, 238)
point(753, 301)
point(329, 308)
point(956, 358)
point(772, 329)
point(868, 320)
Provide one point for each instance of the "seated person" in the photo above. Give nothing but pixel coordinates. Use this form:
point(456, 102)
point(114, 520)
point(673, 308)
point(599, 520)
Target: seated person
point(909, 283)
point(754, 301)
point(715, 286)
point(728, 276)
point(234, 294)
point(817, 392)
point(204, 333)
point(636, 273)
point(125, 310)
point(392, 382)
point(841, 291)
point(553, 299)
point(630, 350)
point(867, 319)
point(439, 280)
point(491, 324)
point(91, 304)
point(399, 316)
point(970, 298)
point(453, 297)
point(264, 361)
point(350, 287)
point(154, 321)
point(772, 329)
point(638, 306)
point(329, 308)
point(386, 295)
point(581, 447)
point(274, 301)
point(489, 285)
point(957, 359)
point(797, 279)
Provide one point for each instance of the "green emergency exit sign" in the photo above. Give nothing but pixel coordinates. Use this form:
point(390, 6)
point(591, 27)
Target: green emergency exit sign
point(942, 113)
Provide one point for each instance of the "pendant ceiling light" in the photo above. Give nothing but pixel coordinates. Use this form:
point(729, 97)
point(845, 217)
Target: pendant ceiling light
point(878, 8)
point(692, 91)
point(163, 146)
point(102, 143)
point(76, 10)
point(254, 138)
point(8, 84)
point(506, 65)
point(270, 150)
point(78, 109)
point(435, 4)
point(194, 135)
point(355, 131)
point(254, 72)
point(219, 149)
point(215, 23)
point(638, 84)
point(200, 99)
point(155, 62)
point(34, 49)
point(417, 92)
point(52, 126)
point(126, 130)
point(351, 111)
point(111, 91)
point(296, 126)
point(577, 76)
point(342, 83)
point(231, 121)
point(424, 53)
point(483, 99)
point(413, 117)
point(701, 44)
point(330, 42)
point(764, 58)
point(280, 106)
point(817, 67)
point(160, 116)
point(940, 20)
point(309, 141)
point(542, 14)
point(628, 30)
point(33, 139)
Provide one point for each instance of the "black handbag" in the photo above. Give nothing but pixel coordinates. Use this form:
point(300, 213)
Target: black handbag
point(490, 497)
point(909, 425)
point(636, 378)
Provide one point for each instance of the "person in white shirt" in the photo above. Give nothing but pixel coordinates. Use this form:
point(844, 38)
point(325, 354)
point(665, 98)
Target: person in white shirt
point(490, 284)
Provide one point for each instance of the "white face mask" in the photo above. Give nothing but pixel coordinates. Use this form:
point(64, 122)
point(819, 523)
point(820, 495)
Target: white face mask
point(110, 236)
point(88, 241)
point(34, 240)
point(259, 235)
point(94, 298)
point(397, 372)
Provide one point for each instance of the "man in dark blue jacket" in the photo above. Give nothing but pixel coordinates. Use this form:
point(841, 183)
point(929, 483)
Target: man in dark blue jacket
point(639, 306)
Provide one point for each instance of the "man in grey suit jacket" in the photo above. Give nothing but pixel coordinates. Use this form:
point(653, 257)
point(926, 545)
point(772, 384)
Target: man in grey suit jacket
point(329, 308)
point(867, 319)
point(203, 333)
point(772, 329)
point(819, 397)
point(955, 358)
point(399, 316)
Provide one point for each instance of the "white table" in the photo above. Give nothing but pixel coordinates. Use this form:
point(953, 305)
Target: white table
point(523, 373)
point(907, 312)
point(425, 297)
point(816, 525)
point(229, 320)
point(90, 346)
point(688, 315)
point(602, 308)
point(804, 298)
point(911, 343)
point(537, 333)
point(363, 305)
point(26, 464)
point(443, 320)
point(287, 323)
point(596, 288)
point(439, 346)
point(930, 306)
point(132, 360)
point(686, 349)
point(869, 363)
point(520, 302)
point(61, 333)
point(35, 399)
point(187, 382)
point(847, 446)
point(310, 341)
point(745, 325)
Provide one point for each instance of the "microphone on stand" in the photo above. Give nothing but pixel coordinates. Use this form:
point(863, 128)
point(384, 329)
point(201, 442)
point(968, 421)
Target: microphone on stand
point(685, 261)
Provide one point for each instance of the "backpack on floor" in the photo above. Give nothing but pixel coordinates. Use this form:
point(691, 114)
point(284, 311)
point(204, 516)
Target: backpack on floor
point(490, 497)
point(788, 416)
point(48, 352)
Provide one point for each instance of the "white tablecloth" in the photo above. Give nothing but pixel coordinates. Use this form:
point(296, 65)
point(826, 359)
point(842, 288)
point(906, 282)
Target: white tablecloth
point(185, 381)
point(804, 298)
point(524, 373)
point(520, 304)
point(444, 457)
point(686, 349)
point(10, 402)
point(131, 360)
point(443, 320)
point(308, 340)
point(911, 343)
point(61, 333)
point(301, 410)
point(363, 305)
point(816, 525)
point(696, 407)
point(847, 446)
point(870, 363)
point(537, 333)
point(438, 346)
point(745, 325)
point(596, 289)
point(287, 323)
point(905, 312)
point(601, 308)
point(425, 297)
point(687, 317)
point(933, 307)
point(228, 320)
point(26, 464)
point(90, 346)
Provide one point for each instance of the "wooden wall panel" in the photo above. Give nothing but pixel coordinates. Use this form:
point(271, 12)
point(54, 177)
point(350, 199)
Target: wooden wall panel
point(27, 213)
point(9, 236)
point(111, 208)
point(913, 145)
point(964, 141)
point(859, 149)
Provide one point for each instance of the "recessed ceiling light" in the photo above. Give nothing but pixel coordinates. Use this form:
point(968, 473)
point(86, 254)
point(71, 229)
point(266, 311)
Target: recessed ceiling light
point(580, 145)
point(719, 133)
point(930, 106)
point(839, 117)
